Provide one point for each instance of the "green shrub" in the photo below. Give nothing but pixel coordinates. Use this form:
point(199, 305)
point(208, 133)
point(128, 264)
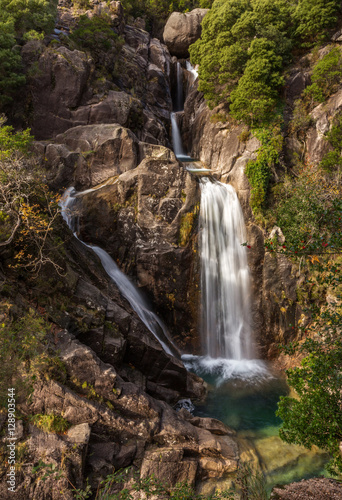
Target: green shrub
point(50, 423)
point(259, 171)
point(326, 77)
point(313, 17)
point(96, 35)
point(22, 347)
point(301, 119)
point(332, 161)
point(244, 136)
point(20, 20)
point(246, 44)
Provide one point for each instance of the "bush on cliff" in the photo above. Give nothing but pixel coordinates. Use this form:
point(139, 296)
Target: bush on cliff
point(96, 35)
point(157, 11)
point(17, 18)
point(232, 56)
point(28, 210)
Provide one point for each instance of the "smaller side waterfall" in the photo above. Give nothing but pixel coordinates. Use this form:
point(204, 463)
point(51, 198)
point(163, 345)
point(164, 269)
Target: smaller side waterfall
point(176, 138)
point(192, 70)
point(177, 143)
point(179, 100)
point(68, 206)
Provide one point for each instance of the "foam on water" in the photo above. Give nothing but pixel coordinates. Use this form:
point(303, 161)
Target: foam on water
point(249, 370)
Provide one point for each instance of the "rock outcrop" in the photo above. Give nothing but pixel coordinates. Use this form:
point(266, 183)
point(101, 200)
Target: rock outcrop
point(181, 30)
point(114, 424)
point(67, 88)
point(143, 211)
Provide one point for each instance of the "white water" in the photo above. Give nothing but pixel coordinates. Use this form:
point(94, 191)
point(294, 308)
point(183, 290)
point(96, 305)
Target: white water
point(225, 282)
point(179, 101)
point(177, 139)
point(225, 289)
point(126, 287)
point(249, 370)
point(179, 106)
point(192, 70)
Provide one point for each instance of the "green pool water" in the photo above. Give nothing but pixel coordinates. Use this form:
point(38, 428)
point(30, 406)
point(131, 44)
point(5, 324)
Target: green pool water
point(248, 406)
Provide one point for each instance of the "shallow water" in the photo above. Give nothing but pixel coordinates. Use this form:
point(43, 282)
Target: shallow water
point(248, 405)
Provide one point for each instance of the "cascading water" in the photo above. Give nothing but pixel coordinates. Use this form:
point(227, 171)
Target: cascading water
point(177, 139)
point(178, 106)
point(128, 290)
point(179, 100)
point(225, 289)
point(192, 70)
point(225, 283)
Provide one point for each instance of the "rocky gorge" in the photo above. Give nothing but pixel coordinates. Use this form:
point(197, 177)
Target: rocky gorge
point(101, 122)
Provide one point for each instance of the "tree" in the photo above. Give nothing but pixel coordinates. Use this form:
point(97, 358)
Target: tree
point(38, 15)
point(229, 62)
point(17, 18)
point(10, 63)
point(313, 17)
point(316, 417)
point(28, 210)
point(309, 212)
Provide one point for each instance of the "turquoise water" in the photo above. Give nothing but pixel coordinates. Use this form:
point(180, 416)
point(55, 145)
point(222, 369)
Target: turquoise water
point(248, 407)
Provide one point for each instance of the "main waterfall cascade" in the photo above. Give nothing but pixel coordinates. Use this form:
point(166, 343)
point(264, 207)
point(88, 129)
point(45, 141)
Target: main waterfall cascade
point(127, 288)
point(225, 282)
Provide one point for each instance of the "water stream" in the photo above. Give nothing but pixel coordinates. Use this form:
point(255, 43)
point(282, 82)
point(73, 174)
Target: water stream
point(243, 390)
point(68, 206)
point(225, 281)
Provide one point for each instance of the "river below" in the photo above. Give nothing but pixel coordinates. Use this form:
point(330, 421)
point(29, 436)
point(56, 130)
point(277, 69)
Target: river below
point(248, 405)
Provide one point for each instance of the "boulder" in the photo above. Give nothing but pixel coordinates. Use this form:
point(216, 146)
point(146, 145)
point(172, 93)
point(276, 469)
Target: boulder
point(182, 30)
point(103, 150)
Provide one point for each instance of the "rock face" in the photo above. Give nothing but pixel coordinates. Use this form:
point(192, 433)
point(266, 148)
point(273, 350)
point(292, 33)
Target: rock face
point(67, 88)
point(115, 424)
point(181, 30)
point(144, 213)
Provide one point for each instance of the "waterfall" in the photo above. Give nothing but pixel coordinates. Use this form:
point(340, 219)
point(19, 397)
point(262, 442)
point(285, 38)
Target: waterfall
point(176, 138)
point(227, 341)
point(178, 106)
point(179, 100)
point(225, 282)
point(192, 70)
point(128, 290)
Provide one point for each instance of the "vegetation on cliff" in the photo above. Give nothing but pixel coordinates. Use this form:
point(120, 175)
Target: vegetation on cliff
point(20, 21)
point(154, 10)
point(27, 209)
point(245, 45)
point(242, 54)
point(308, 208)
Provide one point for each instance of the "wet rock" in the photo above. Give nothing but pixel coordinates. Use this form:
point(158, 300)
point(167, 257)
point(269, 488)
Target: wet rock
point(181, 30)
point(141, 219)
